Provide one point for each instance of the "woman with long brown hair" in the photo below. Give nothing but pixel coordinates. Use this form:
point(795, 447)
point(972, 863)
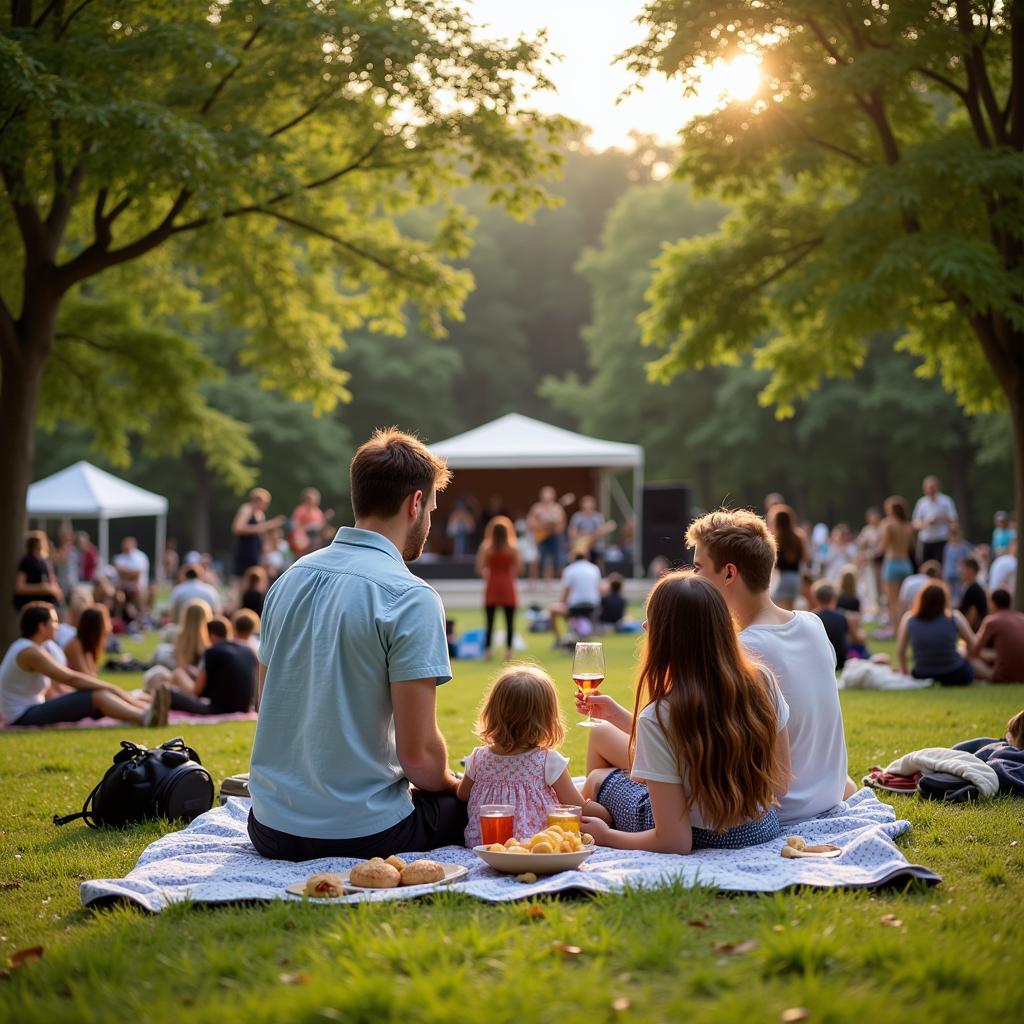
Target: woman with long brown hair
point(84, 650)
point(932, 629)
point(791, 543)
point(497, 561)
point(704, 755)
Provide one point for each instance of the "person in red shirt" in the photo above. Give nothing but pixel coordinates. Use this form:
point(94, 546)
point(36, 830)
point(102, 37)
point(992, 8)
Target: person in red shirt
point(1000, 642)
point(497, 561)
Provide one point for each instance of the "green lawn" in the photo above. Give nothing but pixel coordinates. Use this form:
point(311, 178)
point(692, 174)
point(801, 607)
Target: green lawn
point(645, 956)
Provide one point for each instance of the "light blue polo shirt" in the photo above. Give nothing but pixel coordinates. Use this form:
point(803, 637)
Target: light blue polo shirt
point(338, 628)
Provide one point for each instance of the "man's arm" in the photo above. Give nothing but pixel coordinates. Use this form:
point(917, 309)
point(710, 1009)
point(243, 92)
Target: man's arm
point(421, 749)
point(261, 675)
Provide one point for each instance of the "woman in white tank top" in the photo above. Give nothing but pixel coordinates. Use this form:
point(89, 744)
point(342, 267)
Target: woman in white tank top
point(27, 668)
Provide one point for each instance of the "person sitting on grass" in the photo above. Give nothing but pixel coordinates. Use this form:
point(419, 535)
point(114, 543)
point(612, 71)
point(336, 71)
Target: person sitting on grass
point(348, 759)
point(521, 727)
point(84, 651)
point(27, 666)
point(736, 552)
point(189, 644)
point(612, 613)
point(581, 593)
point(837, 628)
point(704, 757)
point(973, 601)
point(931, 630)
point(1000, 643)
point(246, 625)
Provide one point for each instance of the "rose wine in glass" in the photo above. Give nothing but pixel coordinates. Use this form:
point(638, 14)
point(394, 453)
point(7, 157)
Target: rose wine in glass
point(588, 672)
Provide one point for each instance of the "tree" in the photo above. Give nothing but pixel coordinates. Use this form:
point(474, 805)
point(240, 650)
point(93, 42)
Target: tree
point(265, 145)
point(850, 443)
point(877, 178)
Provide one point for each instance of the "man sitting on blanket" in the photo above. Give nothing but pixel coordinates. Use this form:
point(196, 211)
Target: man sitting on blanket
point(737, 552)
point(352, 649)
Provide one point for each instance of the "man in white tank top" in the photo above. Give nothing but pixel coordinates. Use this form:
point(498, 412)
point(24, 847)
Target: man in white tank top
point(736, 552)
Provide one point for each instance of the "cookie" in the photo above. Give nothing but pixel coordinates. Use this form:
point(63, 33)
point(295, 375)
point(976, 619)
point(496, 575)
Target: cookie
point(374, 874)
point(421, 872)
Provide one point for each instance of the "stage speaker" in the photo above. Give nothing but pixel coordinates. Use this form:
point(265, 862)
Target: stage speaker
point(666, 517)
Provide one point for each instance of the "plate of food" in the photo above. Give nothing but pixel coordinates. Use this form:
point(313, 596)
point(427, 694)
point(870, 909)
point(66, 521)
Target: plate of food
point(548, 852)
point(377, 873)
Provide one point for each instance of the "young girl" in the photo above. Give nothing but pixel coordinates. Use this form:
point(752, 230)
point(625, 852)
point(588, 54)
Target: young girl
point(521, 726)
point(705, 754)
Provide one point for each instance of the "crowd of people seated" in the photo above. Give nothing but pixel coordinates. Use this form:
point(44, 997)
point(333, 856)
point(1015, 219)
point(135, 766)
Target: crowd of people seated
point(948, 602)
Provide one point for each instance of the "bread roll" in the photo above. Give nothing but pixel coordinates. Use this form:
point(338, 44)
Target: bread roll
point(422, 872)
point(374, 874)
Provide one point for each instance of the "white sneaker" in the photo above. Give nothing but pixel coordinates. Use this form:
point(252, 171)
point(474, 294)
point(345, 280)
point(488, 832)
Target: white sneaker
point(156, 714)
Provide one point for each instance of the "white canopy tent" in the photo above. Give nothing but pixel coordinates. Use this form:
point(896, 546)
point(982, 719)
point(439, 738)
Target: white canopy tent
point(520, 442)
point(83, 491)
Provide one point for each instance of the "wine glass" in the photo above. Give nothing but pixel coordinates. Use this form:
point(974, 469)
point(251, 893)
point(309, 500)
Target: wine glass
point(588, 673)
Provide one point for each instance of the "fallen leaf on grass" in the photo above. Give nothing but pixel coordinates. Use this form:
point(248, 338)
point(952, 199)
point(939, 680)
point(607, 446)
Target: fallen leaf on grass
point(621, 1004)
point(794, 1014)
point(695, 923)
point(890, 921)
point(535, 912)
point(24, 956)
point(778, 928)
point(561, 947)
point(293, 979)
point(734, 948)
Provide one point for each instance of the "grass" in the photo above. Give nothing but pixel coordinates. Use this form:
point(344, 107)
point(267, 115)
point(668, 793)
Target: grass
point(644, 956)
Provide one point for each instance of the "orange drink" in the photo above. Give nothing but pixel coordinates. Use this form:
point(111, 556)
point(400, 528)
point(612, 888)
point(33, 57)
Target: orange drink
point(565, 815)
point(497, 823)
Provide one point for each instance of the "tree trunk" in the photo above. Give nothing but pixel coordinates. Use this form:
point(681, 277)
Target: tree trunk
point(200, 502)
point(19, 398)
point(1015, 396)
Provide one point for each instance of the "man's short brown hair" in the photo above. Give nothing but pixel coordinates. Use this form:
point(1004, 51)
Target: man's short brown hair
point(245, 623)
point(738, 536)
point(388, 468)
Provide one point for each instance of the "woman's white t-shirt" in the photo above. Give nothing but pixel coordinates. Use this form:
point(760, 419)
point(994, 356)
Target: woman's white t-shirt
point(19, 690)
point(656, 761)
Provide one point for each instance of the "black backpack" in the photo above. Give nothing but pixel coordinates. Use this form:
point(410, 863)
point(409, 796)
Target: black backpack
point(168, 781)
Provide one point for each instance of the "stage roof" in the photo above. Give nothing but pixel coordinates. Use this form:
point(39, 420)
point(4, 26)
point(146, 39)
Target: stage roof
point(519, 442)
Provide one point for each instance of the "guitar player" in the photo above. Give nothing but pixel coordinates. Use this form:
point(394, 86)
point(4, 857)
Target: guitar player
point(546, 519)
point(588, 528)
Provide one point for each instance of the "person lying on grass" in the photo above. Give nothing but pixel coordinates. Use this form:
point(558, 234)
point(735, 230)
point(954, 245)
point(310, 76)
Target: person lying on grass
point(27, 668)
point(704, 757)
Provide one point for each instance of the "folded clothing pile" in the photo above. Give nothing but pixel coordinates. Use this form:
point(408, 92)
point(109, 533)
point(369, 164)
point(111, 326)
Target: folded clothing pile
point(971, 770)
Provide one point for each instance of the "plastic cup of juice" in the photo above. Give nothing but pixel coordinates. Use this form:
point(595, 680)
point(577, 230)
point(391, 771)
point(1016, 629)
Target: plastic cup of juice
point(565, 815)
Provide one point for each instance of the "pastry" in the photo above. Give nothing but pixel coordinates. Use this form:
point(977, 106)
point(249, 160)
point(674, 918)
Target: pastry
point(374, 874)
point(324, 886)
point(396, 862)
point(421, 872)
point(796, 842)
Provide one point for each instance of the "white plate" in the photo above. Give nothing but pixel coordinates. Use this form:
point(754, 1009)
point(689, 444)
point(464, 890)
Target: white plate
point(799, 854)
point(451, 872)
point(538, 863)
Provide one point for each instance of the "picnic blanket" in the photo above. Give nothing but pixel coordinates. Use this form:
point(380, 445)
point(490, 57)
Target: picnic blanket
point(212, 861)
point(869, 675)
point(173, 718)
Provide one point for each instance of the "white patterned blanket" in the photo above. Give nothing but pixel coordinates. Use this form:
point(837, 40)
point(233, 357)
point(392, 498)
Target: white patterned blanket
point(212, 861)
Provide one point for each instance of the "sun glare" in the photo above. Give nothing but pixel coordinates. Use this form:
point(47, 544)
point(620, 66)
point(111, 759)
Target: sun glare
point(737, 79)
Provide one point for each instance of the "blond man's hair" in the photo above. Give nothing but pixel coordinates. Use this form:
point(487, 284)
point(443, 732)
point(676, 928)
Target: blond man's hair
point(738, 536)
point(245, 622)
point(520, 712)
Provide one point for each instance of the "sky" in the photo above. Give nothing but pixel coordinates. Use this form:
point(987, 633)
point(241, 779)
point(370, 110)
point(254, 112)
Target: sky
point(589, 34)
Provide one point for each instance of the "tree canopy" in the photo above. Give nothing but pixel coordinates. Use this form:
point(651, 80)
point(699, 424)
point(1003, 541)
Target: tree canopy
point(877, 187)
point(268, 147)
